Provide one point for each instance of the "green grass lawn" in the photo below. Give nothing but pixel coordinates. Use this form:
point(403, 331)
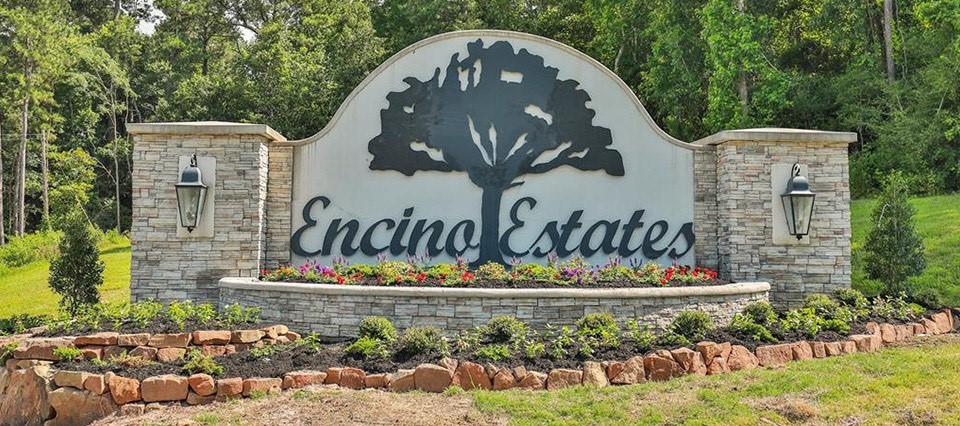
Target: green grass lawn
point(938, 221)
point(24, 290)
point(908, 385)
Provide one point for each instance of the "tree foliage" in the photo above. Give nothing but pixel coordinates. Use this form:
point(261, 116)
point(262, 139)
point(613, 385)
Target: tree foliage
point(77, 273)
point(894, 250)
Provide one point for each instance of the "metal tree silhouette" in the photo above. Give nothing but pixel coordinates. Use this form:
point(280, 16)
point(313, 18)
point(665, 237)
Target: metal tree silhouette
point(497, 115)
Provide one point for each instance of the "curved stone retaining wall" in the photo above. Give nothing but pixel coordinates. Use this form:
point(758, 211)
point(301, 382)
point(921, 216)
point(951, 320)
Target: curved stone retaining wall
point(336, 310)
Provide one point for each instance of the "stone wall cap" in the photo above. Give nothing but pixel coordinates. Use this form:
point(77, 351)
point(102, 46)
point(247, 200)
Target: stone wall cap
point(772, 134)
point(205, 128)
point(243, 283)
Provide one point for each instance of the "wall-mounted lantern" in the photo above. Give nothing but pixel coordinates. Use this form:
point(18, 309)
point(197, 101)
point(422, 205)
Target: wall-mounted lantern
point(798, 204)
point(190, 195)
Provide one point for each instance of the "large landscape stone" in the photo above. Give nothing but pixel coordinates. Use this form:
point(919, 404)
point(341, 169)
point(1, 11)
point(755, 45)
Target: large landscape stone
point(77, 407)
point(533, 380)
point(106, 338)
point(170, 355)
point(594, 374)
point(866, 342)
point(660, 368)
point(123, 389)
point(229, 388)
point(741, 359)
point(471, 375)
point(353, 378)
point(432, 378)
point(133, 340)
point(833, 348)
point(175, 340)
point(211, 337)
point(560, 378)
point(150, 353)
point(775, 355)
point(402, 381)
point(503, 380)
point(718, 366)
point(261, 385)
point(888, 334)
point(631, 373)
point(375, 381)
point(246, 336)
point(802, 351)
point(944, 321)
point(96, 383)
point(202, 384)
point(196, 399)
point(691, 361)
point(818, 349)
point(25, 398)
point(73, 379)
point(299, 379)
point(41, 349)
point(167, 387)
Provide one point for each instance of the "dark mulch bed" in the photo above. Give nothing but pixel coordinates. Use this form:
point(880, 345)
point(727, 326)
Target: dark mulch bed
point(159, 325)
point(532, 284)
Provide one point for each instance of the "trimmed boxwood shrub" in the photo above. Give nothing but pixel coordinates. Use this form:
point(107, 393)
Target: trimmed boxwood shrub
point(693, 325)
point(378, 328)
point(422, 341)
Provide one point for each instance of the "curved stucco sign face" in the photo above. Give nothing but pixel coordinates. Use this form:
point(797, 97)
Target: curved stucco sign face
point(490, 146)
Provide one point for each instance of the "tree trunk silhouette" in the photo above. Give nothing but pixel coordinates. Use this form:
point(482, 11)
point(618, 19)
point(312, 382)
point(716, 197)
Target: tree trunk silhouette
point(490, 226)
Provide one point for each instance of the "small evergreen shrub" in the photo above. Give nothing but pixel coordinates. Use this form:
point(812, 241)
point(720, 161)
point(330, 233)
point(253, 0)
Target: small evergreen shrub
point(929, 297)
point(422, 341)
point(197, 362)
point(745, 326)
point(126, 360)
point(78, 272)
point(599, 330)
point(855, 300)
point(494, 352)
point(379, 328)
point(822, 305)
point(894, 249)
point(802, 321)
point(367, 348)
point(67, 353)
point(641, 335)
point(761, 313)
point(504, 329)
point(693, 325)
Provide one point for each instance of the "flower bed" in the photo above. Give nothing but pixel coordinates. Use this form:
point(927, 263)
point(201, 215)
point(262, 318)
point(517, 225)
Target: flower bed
point(575, 272)
point(80, 395)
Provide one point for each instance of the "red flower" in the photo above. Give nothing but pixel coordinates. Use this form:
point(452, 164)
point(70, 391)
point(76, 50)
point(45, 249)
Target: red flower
point(341, 279)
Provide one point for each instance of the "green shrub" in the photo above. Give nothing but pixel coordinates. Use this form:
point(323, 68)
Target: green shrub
point(930, 297)
point(78, 271)
point(840, 326)
point(197, 362)
point(671, 339)
point(234, 315)
point(822, 305)
point(599, 330)
point(422, 341)
point(367, 348)
point(534, 272)
point(20, 323)
point(803, 321)
point(745, 326)
point(67, 353)
point(6, 351)
point(379, 328)
point(534, 350)
point(641, 335)
point(126, 360)
point(854, 300)
point(558, 345)
point(693, 325)
point(504, 329)
point(894, 249)
point(495, 352)
point(761, 313)
point(20, 251)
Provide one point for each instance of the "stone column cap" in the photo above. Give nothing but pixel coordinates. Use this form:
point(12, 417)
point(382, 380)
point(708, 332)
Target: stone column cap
point(774, 134)
point(205, 128)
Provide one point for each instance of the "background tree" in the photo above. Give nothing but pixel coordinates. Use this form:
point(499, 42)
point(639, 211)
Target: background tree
point(506, 128)
point(77, 272)
point(894, 250)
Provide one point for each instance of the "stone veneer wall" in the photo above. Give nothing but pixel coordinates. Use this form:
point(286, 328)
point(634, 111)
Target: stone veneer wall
point(705, 207)
point(336, 311)
point(166, 267)
point(744, 202)
point(279, 202)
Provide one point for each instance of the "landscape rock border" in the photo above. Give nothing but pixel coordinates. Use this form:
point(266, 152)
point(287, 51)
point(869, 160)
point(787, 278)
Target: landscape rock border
point(66, 397)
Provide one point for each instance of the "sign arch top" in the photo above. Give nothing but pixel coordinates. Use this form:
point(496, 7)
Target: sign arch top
point(492, 145)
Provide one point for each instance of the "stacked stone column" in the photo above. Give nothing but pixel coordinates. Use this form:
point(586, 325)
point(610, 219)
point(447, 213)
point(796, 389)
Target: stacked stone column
point(744, 245)
point(167, 267)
